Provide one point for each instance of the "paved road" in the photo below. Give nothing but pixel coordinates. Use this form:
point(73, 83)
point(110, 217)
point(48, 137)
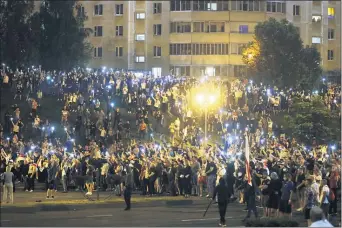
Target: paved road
point(141, 215)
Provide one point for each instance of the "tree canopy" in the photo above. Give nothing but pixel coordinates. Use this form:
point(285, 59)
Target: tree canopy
point(53, 37)
point(312, 119)
point(276, 56)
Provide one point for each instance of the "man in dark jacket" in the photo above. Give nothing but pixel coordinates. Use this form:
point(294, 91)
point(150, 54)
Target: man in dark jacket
point(128, 187)
point(223, 194)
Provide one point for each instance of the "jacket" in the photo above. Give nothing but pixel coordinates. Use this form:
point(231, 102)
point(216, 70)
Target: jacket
point(222, 191)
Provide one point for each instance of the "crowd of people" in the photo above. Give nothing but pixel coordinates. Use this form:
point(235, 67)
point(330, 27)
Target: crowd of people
point(116, 131)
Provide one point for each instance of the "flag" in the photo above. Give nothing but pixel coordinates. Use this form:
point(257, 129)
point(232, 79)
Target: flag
point(248, 172)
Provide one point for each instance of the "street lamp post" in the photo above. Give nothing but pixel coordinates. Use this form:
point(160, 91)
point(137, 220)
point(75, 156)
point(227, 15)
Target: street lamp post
point(205, 101)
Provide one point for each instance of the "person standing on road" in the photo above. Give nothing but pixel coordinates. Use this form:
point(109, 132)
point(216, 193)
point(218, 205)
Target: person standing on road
point(128, 187)
point(223, 195)
point(8, 179)
point(52, 174)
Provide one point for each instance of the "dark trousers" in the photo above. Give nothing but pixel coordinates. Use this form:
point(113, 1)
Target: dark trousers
point(31, 183)
point(333, 204)
point(251, 206)
point(145, 184)
point(127, 196)
point(222, 209)
point(151, 189)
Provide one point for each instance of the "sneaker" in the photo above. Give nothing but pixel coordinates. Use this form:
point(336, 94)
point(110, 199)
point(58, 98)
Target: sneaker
point(220, 224)
point(87, 194)
point(31, 191)
point(52, 197)
point(26, 190)
point(47, 197)
point(207, 196)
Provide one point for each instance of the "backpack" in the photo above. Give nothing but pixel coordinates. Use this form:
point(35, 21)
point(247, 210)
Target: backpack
point(331, 196)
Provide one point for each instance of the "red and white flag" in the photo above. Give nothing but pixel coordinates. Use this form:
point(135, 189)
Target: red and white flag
point(248, 171)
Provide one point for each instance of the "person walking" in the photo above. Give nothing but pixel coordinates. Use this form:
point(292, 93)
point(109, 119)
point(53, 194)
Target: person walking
point(223, 194)
point(128, 187)
point(8, 179)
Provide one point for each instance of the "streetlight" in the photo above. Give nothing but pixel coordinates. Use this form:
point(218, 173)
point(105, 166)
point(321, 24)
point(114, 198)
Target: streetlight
point(205, 101)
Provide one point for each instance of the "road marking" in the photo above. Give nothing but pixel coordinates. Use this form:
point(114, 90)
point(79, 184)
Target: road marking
point(193, 220)
point(94, 216)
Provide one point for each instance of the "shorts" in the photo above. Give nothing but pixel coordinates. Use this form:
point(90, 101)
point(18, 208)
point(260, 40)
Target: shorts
point(307, 213)
point(51, 185)
point(202, 180)
point(285, 207)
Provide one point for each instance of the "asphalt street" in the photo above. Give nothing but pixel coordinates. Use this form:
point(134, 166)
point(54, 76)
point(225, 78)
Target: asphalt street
point(141, 215)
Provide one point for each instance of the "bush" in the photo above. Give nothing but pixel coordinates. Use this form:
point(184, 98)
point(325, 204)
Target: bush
point(271, 223)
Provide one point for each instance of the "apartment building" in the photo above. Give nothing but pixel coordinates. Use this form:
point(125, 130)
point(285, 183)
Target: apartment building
point(200, 37)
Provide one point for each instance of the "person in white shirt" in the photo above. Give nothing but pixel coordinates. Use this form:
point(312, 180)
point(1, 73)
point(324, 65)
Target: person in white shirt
point(318, 219)
point(324, 197)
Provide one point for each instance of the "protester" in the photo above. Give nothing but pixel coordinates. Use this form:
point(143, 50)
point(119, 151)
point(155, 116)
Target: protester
point(223, 194)
point(318, 219)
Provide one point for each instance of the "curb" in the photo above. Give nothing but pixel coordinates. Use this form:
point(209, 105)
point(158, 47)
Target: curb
point(91, 205)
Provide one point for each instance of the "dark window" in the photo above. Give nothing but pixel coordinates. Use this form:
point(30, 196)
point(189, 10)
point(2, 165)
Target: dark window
point(118, 51)
point(330, 54)
point(98, 31)
point(296, 10)
point(80, 11)
point(98, 52)
point(157, 8)
point(156, 51)
point(198, 27)
point(331, 34)
point(157, 29)
point(119, 9)
point(119, 30)
point(180, 5)
point(98, 9)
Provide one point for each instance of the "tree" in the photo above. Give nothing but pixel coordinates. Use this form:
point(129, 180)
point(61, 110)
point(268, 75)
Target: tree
point(62, 38)
point(276, 56)
point(312, 119)
point(14, 32)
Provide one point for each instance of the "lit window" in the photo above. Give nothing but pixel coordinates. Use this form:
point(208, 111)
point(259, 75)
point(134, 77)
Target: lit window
point(156, 71)
point(140, 16)
point(243, 29)
point(212, 6)
point(210, 71)
point(316, 18)
point(316, 40)
point(140, 59)
point(140, 37)
point(331, 12)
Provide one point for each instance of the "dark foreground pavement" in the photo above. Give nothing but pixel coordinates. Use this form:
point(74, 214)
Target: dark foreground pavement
point(182, 213)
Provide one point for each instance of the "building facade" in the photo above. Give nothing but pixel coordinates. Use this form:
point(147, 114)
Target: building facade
point(200, 37)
